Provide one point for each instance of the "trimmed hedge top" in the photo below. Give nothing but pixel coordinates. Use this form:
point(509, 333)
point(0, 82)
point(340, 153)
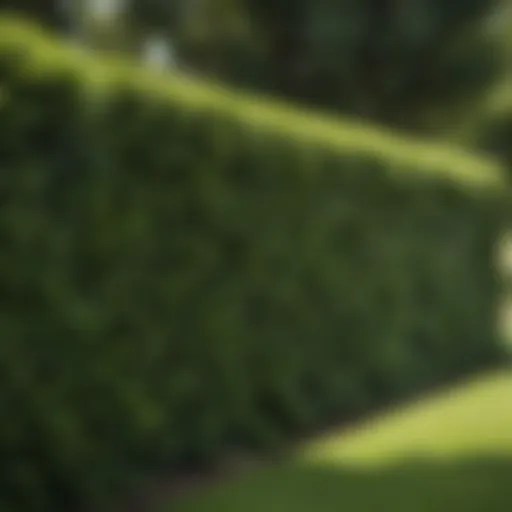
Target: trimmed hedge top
point(44, 54)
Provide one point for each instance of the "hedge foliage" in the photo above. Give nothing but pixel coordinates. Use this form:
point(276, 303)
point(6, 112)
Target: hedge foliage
point(186, 271)
point(491, 131)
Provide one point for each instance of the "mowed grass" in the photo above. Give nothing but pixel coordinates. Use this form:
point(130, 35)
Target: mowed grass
point(447, 453)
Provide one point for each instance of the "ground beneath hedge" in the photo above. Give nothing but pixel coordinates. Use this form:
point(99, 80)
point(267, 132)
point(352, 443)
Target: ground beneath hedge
point(447, 453)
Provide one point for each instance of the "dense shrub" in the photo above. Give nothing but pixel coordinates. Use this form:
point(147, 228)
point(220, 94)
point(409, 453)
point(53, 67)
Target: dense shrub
point(491, 129)
point(186, 271)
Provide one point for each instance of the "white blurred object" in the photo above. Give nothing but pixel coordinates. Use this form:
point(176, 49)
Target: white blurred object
point(158, 53)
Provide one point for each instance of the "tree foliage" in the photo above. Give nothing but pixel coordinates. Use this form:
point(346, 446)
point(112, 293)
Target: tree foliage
point(408, 63)
point(50, 12)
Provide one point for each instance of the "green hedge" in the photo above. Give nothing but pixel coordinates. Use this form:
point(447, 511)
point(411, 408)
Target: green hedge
point(186, 271)
point(491, 129)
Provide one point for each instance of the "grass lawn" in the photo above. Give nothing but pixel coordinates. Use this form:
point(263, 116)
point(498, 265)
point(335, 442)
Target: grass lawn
point(448, 453)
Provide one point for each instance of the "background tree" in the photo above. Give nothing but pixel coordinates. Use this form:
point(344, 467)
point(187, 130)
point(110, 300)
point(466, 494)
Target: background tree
point(403, 62)
point(408, 63)
point(211, 37)
point(52, 13)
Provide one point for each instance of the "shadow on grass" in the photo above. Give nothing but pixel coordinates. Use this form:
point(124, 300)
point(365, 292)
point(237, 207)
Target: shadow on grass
point(481, 484)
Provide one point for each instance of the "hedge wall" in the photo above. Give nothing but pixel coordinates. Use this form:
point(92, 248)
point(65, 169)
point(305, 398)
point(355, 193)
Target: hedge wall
point(186, 271)
point(490, 127)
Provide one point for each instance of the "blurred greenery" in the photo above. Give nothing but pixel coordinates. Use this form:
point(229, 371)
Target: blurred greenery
point(47, 11)
point(490, 129)
point(448, 453)
point(187, 270)
point(417, 65)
